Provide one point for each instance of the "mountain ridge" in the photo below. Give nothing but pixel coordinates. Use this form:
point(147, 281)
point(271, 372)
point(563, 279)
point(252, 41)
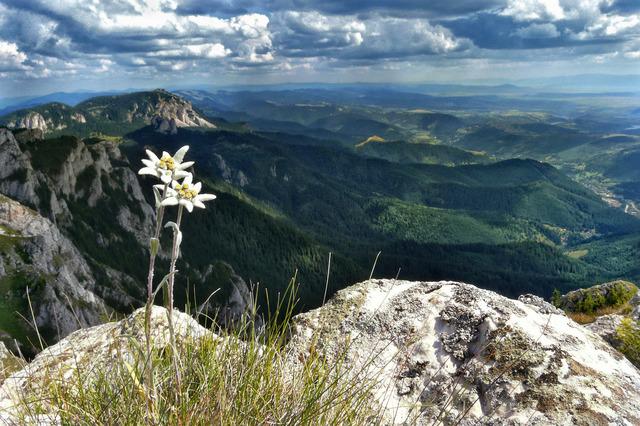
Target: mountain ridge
point(163, 109)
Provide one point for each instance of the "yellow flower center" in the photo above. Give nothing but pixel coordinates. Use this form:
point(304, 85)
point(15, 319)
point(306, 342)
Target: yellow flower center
point(185, 192)
point(167, 163)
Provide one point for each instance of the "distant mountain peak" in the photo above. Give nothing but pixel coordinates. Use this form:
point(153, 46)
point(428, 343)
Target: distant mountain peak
point(164, 110)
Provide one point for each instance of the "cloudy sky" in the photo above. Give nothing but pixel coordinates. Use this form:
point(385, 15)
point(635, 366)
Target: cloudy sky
point(48, 45)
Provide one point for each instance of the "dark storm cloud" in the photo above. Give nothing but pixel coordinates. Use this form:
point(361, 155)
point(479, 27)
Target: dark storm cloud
point(340, 7)
point(623, 7)
point(492, 31)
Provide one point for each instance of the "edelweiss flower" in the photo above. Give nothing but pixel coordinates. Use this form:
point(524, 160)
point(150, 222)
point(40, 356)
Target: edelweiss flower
point(186, 194)
point(167, 167)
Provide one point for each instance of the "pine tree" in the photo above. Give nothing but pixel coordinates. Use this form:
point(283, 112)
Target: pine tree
point(556, 298)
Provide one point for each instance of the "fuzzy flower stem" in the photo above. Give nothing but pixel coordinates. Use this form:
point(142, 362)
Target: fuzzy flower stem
point(172, 272)
point(147, 314)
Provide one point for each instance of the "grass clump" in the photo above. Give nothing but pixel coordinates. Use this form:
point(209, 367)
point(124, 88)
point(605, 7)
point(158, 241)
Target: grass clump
point(629, 335)
point(226, 378)
point(585, 305)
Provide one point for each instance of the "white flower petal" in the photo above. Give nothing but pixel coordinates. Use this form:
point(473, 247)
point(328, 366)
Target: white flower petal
point(172, 225)
point(197, 187)
point(198, 203)
point(185, 165)
point(188, 179)
point(165, 154)
point(179, 174)
point(189, 206)
point(206, 197)
point(148, 171)
point(148, 163)
point(170, 201)
point(179, 155)
point(152, 156)
point(166, 177)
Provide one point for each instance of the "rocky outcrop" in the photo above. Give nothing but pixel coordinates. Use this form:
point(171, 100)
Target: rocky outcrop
point(32, 120)
point(234, 177)
point(454, 353)
point(611, 293)
point(17, 177)
point(430, 352)
point(181, 112)
point(93, 350)
point(87, 180)
point(165, 125)
point(62, 285)
point(606, 326)
point(172, 112)
point(80, 118)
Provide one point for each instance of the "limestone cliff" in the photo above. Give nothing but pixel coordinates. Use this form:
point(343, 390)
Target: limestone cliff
point(50, 268)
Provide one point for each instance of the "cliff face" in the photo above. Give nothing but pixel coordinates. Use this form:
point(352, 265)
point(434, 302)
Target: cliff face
point(55, 191)
point(59, 281)
point(434, 351)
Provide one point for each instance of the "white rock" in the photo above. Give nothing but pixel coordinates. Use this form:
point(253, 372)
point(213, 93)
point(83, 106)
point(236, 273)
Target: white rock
point(453, 352)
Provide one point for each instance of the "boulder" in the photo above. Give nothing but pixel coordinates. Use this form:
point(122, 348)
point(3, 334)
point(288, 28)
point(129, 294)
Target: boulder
point(453, 353)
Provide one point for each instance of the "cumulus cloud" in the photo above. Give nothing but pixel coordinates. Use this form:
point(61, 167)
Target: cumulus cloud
point(68, 28)
point(10, 57)
point(529, 10)
point(206, 37)
point(349, 37)
point(547, 30)
point(304, 33)
point(611, 26)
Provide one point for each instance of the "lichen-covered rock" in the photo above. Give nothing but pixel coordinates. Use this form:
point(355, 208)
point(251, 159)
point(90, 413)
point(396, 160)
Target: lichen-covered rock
point(89, 351)
point(540, 304)
point(606, 327)
point(457, 354)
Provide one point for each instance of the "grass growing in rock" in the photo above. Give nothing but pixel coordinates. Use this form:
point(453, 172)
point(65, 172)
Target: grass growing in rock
point(585, 305)
point(629, 334)
point(226, 378)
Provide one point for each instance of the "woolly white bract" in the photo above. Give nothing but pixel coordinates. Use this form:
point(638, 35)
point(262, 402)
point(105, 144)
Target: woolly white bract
point(186, 194)
point(167, 167)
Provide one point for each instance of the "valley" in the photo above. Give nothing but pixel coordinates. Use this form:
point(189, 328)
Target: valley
point(516, 194)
